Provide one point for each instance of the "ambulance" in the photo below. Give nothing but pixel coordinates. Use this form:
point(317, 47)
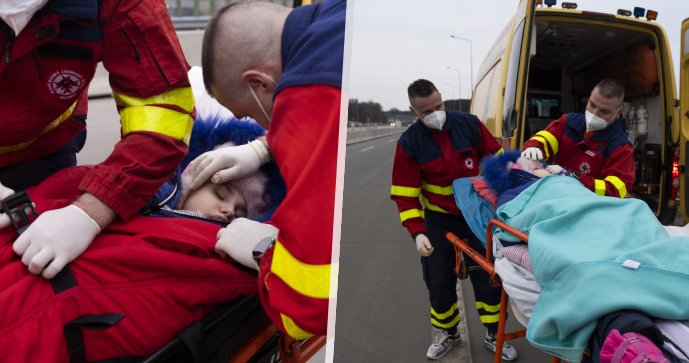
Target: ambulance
point(548, 59)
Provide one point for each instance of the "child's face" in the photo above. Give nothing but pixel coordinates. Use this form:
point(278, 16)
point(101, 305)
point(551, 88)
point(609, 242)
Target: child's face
point(220, 201)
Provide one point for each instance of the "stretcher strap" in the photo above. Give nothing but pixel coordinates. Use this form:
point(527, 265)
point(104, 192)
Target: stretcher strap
point(75, 337)
point(63, 280)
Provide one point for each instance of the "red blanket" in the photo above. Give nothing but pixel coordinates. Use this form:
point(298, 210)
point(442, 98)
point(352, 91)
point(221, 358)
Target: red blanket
point(161, 274)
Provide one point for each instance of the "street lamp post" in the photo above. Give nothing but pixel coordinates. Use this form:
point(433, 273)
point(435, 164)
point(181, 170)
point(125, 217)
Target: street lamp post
point(452, 88)
point(459, 84)
point(471, 61)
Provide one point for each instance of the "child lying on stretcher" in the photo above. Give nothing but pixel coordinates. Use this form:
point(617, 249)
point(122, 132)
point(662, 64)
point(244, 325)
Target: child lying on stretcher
point(507, 175)
point(589, 259)
point(254, 197)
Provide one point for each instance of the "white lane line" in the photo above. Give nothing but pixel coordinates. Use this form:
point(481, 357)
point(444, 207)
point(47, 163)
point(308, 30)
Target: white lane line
point(366, 149)
point(392, 140)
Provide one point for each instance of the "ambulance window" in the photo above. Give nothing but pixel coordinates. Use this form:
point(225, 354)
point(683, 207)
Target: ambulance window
point(544, 107)
point(509, 116)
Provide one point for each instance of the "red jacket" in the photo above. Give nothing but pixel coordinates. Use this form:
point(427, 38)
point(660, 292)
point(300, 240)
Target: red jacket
point(604, 159)
point(428, 161)
point(44, 76)
point(160, 274)
point(294, 276)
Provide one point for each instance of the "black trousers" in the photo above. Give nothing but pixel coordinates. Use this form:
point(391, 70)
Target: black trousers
point(441, 280)
point(22, 176)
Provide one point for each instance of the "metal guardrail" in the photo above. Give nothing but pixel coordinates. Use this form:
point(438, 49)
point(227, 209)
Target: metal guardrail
point(190, 22)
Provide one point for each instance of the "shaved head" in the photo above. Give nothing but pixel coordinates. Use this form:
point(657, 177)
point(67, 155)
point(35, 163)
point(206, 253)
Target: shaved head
point(242, 36)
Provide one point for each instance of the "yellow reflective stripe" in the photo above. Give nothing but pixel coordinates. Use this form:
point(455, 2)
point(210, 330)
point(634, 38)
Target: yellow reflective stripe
point(500, 151)
point(430, 206)
point(411, 213)
point(308, 280)
point(181, 97)
point(488, 308)
point(618, 184)
point(554, 144)
point(157, 119)
point(487, 319)
point(293, 329)
point(544, 143)
point(405, 191)
point(445, 314)
point(445, 325)
point(437, 189)
point(599, 186)
point(53, 124)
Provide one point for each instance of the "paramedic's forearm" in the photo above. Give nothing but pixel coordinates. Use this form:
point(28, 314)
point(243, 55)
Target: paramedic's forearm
point(97, 210)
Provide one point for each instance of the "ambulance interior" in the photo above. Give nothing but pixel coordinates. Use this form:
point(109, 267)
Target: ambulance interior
point(571, 57)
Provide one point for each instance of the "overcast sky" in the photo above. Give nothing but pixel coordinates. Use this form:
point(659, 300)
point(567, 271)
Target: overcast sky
point(397, 41)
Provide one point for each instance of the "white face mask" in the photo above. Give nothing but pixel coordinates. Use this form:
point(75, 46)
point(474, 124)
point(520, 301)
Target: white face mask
point(253, 93)
point(18, 13)
point(594, 123)
point(435, 120)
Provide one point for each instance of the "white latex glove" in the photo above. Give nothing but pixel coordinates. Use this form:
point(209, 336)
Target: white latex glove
point(239, 239)
point(4, 193)
point(55, 239)
point(228, 163)
point(554, 169)
point(423, 245)
point(532, 153)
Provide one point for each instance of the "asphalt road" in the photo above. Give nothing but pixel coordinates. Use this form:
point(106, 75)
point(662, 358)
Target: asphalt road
point(382, 308)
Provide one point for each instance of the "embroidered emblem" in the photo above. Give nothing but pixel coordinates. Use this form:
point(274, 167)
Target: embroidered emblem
point(469, 163)
point(584, 168)
point(590, 153)
point(65, 83)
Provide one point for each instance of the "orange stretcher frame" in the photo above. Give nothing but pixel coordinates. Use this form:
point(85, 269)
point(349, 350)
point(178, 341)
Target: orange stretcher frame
point(486, 263)
point(291, 350)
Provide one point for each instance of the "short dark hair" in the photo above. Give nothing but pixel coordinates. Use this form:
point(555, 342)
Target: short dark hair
point(611, 88)
point(207, 47)
point(421, 88)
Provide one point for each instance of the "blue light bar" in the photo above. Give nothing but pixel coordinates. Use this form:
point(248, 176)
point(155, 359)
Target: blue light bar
point(553, 2)
point(639, 12)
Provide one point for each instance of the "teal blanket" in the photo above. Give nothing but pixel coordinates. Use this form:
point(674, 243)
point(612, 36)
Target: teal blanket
point(578, 243)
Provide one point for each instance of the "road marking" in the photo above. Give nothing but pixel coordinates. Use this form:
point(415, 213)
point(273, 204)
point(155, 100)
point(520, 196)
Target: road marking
point(392, 140)
point(366, 149)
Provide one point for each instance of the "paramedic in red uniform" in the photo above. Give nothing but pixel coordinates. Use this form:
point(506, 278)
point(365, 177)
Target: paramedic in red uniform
point(50, 50)
point(592, 146)
point(434, 151)
point(282, 67)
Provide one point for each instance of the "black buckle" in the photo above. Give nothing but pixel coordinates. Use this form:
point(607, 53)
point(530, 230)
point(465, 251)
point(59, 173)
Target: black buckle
point(17, 206)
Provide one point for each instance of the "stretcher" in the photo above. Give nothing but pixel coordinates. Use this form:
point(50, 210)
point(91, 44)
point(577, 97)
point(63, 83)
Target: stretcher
point(236, 332)
point(463, 249)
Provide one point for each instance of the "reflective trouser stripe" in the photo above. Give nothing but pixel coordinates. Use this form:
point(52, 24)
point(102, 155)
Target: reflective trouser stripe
point(446, 314)
point(451, 324)
point(618, 184)
point(404, 191)
point(488, 308)
point(488, 319)
point(52, 125)
point(306, 279)
point(411, 213)
point(293, 329)
point(599, 186)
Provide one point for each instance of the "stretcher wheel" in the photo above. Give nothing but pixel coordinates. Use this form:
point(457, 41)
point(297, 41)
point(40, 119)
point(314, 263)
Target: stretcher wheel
point(463, 269)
